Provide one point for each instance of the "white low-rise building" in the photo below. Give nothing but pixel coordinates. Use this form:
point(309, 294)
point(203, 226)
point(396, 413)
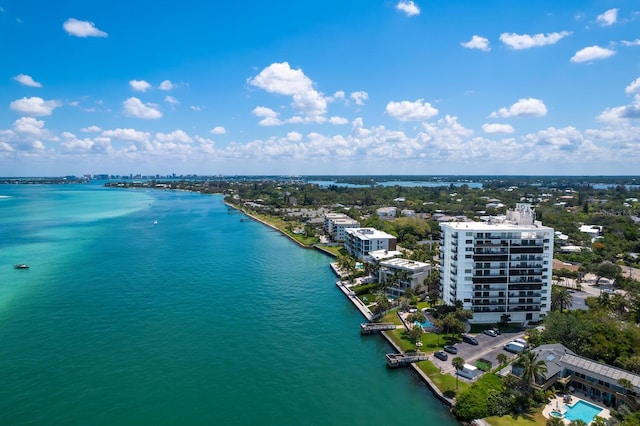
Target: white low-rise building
point(335, 225)
point(380, 255)
point(593, 230)
point(403, 274)
point(386, 212)
point(360, 241)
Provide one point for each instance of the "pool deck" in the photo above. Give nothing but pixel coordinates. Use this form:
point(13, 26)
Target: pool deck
point(557, 403)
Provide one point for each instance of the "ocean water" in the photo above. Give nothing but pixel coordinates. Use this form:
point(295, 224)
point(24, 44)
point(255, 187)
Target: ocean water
point(200, 318)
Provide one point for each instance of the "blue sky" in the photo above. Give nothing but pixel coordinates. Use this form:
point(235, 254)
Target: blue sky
point(319, 87)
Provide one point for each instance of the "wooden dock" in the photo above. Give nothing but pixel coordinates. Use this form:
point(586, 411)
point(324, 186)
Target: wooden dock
point(401, 360)
point(374, 327)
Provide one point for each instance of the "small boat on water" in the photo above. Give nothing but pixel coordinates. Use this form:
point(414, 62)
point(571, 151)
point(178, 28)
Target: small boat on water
point(21, 266)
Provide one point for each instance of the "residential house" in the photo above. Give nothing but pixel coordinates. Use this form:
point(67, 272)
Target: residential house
point(583, 376)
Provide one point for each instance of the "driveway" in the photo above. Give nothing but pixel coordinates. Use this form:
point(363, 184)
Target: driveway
point(488, 348)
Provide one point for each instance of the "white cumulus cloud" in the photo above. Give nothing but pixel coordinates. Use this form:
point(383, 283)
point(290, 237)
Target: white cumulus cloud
point(608, 18)
point(411, 111)
point(359, 97)
point(177, 136)
point(264, 112)
point(171, 100)
point(529, 107)
point(269, 116)
point(133, 107)
point(339, 95)
point(280, 78)
point(635, 42)
point(633, 87)
point(337, 121)
point(34, 106)
point(625, 112)
point(526, 41)
point(26, 80)
point(497, 128)
point(29, 126)
point(78, 28)
point(408, 7)
point(565, 139)
point(91, 129)
point(166, 85)
point(127, 135)
point(591, 53)
point(218, 130)
point(477, 42)
point(294, 136)
point(140, 85)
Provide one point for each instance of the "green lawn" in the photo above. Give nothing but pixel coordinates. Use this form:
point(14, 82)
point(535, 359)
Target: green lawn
point(431, 342)
point(367, 298)
point(392, 317)
point(336, 250)
point(529, 419)
point(445, 382)
point(285, 226)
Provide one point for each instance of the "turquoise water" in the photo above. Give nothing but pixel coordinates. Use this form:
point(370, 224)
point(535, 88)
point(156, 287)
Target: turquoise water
point(582, 410)
point(198, 319)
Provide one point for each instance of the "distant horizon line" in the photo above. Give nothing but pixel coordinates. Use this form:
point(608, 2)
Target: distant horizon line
point(96, 176)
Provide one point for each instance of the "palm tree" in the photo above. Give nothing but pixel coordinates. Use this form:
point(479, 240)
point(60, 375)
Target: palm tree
point(432, 282)
point(598, 421)
point(561, 299)
point(533, 370)
point(458, 364)
point(619, 304)
point(604, 301)
point(382, 304)
point(554, 421)
point(452, 324)
point(578, 422)
point(398, 278)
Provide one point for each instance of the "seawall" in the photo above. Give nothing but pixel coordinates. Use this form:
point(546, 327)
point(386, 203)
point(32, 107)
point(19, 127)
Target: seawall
point(267, 224)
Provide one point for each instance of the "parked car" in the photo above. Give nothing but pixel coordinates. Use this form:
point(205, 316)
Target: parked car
point(514, 347)
point(490, 332)
point(451, 349)
point(441, 355)
point(469, 339)
point(496, 330)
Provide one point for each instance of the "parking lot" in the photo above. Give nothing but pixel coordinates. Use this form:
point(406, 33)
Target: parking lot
point(488, 348)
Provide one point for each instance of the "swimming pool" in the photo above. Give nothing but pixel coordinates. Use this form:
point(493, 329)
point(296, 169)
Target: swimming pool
point(582, 410)
point(425, 324)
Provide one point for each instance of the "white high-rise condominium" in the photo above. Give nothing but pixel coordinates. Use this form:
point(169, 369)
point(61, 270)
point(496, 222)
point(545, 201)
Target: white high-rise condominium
point(500, 269)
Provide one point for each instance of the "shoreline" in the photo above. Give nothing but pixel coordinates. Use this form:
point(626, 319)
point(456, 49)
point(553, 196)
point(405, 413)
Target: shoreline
point(257, 219)
point(364, 311)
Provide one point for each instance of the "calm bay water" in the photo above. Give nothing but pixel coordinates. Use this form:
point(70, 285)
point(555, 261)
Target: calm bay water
point(198, 319)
